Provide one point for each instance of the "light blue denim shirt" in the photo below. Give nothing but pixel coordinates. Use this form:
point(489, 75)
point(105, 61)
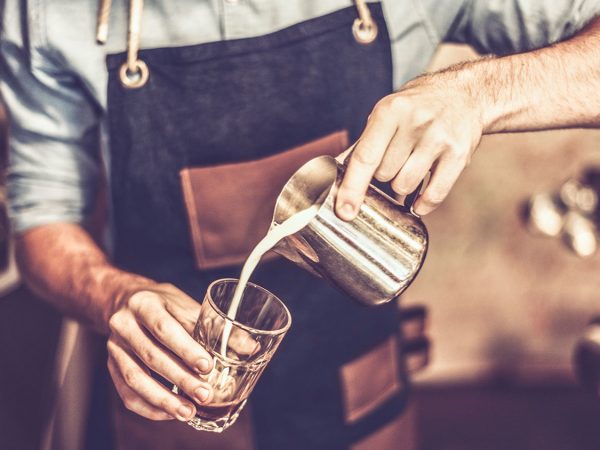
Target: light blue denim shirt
point(53, 75)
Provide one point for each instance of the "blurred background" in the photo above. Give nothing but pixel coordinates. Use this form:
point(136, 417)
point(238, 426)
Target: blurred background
point(506, 309)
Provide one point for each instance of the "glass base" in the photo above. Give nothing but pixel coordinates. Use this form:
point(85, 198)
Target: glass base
point(215, 425)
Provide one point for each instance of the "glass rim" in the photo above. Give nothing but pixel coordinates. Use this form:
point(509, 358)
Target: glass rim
point(241, 325)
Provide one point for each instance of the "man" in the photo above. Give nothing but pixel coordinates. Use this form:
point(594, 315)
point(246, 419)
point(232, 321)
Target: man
point(218, 84)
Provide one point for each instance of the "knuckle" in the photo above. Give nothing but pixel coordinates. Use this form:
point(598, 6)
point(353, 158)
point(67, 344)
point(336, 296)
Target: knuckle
point(137, 299)
point(142, 299)
point(114, 323)
point(131, 378)
point(439, 127)
point(421, 116)
point(383, 107)
point(399, 102)
point(149, 356)
point(365, 156)
point(129, 403)
point(167, 404)
point(456, 152)
point(442, 141)
point(161, 327)
point(445, 141)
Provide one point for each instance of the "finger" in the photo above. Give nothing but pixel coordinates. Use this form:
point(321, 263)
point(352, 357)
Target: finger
point(164, 363)
point(185, 309)
point(242, 343)
point(151, 313)
point(363, 162)
point(413, 171)
point(131, 400)
point(152, 392)
point(444, 177)
point(342, 156)
point(395, 156)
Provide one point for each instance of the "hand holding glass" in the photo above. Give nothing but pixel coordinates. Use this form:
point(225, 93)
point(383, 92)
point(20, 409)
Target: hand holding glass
point(241, 343)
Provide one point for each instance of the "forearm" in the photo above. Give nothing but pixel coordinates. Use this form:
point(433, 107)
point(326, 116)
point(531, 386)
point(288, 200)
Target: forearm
point(554, 87)
point(435, 122)
point(150, 324)
point(62, 264)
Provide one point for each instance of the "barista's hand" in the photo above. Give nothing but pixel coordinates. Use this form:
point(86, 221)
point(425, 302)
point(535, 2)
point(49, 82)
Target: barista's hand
point(151, 330)
point(433, 123)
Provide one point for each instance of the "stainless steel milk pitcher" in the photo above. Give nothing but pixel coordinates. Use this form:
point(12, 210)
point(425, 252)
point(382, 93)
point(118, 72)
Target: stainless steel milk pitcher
point(372, 258)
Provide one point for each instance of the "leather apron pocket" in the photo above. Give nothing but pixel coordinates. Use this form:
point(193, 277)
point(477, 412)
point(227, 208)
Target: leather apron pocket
point(230, 206)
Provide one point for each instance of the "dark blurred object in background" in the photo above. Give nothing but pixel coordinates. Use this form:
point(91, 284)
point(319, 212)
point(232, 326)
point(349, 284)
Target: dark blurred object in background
point(29, 330)
point(4, 233)
point(4, 222)
point(591, 178)
point(507, 418)
point(3, 142)
point(414, 342)
point(571, 212)
point(586, 358)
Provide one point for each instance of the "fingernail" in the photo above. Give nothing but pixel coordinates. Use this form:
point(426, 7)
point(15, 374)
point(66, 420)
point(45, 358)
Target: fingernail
point(347, 210)
point(201, 394)
point(203, 366)
point(184, 413)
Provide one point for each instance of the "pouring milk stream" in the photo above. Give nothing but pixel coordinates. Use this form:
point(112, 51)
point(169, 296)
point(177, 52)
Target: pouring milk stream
point(372, 258)
point(290, 226)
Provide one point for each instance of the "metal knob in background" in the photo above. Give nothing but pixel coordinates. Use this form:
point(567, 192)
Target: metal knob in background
point(416, 354)
point(415, 346)
point(571, 213)
point(586, 358)
point(413, 321)
point(372, 258)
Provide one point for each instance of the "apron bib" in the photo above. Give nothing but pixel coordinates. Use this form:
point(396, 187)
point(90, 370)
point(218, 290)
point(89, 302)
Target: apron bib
point(212, 117)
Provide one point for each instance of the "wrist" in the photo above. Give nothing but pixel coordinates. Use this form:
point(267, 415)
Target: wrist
point(481, 92)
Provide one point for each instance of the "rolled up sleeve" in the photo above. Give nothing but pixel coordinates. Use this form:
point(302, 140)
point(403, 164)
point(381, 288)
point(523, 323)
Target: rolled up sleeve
point(54, 159)
point(512, 26)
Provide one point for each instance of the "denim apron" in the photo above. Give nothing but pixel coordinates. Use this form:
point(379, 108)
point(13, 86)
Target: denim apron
point(216, 104)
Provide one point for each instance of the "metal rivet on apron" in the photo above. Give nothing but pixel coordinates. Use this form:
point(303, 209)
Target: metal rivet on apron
point(364, 27)
point(134, 79)
point(134, 72)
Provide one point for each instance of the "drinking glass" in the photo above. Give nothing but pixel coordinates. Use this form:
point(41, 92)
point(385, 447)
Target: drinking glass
point(241, 344)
